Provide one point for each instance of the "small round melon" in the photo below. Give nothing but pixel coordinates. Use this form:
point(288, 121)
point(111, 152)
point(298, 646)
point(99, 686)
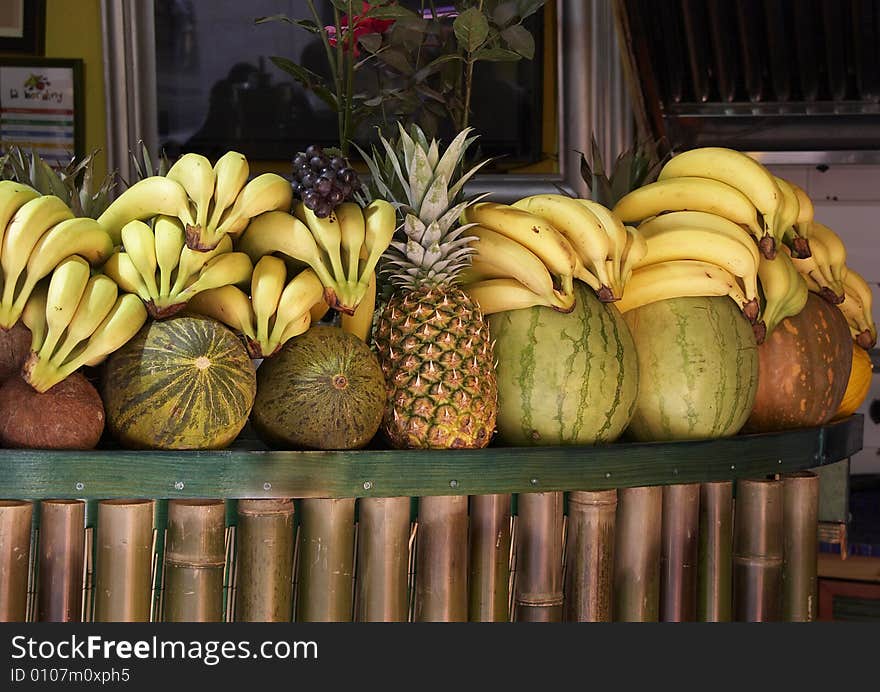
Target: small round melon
point(182, 383)
point(323, 390)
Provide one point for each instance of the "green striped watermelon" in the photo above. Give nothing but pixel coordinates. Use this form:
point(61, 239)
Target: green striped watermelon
point(564, 379)
point(698, 369)
point(182, 383)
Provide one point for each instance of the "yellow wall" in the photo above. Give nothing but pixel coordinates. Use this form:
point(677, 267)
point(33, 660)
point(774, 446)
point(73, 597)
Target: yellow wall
point(73, 30)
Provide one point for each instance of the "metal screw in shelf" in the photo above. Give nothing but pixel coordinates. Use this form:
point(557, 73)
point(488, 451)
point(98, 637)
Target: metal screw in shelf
point(368, 485)
point(79, 485)
point(453, 484)
point(267, 486)
point(178, 485)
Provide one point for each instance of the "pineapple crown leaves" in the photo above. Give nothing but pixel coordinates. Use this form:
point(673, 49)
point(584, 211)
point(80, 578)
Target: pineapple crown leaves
point(142, 162)
point(73, 183)
point(637, 166)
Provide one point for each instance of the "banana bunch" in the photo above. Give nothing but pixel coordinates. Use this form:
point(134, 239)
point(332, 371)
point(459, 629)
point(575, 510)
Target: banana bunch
point(719, 181)
point(824, 267)
point(698, 235)
point(857, 308)
point(155, 264)
point(76, 319)
point(276, 310)
point(37, 232)
point(784, 291)
point(209, 201)
point(797, 210)
point(342, 249)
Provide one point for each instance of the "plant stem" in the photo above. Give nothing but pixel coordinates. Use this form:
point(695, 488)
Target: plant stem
point(342, 100)
point(346, 133)
point(331, 59)
point(468, 83)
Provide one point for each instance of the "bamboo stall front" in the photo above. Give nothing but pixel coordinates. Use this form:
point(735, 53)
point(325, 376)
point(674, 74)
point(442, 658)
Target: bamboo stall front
point(546, 534)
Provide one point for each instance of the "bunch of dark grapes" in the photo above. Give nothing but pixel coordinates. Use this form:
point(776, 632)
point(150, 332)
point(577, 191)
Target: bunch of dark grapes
point(322, 182)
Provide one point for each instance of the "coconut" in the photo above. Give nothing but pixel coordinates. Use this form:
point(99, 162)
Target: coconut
point(15, 345)
point(70, 415)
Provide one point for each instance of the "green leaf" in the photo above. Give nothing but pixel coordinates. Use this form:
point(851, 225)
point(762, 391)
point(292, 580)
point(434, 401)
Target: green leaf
point(396, 59)
point(308, 79)
point(519, 40)
point(433, 67)
point(526, 8)
point(471, 29)
point(497, 55)
point(395, 12)
point(371, 42)
point(505, 13)
point(306, 24)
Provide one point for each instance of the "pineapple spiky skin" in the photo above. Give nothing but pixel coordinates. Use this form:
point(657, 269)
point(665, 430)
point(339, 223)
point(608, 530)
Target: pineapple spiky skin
point(431, 338)
point(434, 348)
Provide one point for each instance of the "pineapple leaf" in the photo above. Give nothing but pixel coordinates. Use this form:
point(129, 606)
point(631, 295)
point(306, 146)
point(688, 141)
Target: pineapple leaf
point(455, 189)
point(392, 157)
point(375, 175)
point(420, 177)
point(408, 146)
point(451, 157)
point(436, 200)
point(433, 153)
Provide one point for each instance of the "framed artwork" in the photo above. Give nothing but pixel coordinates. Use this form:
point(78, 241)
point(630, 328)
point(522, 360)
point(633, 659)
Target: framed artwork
point(41, 106)
point(22, 26)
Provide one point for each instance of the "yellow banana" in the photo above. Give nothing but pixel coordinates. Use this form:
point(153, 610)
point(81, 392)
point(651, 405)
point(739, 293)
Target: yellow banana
point(121, 269)
point(303, 292)
point(695, 194)
point(294, 328)
point(352, 230)
point(266, 192)
point(859, 291)
point(862, 330)
point(95, 304)
point(733, 254)
point(789, 209)
point(123, 321)
point(500, 295)
point(678, 279)
point(633, 253)
point(13, 196)
point(169, 244)
point(616, 233)
point(267, 284)
point(702, 220)
point(23, 232)
point(361, 322)
point(230, 174)
point(805, 210)
point(34, 316)
point(153, 196)
point(139, 244)
point(818, 270)
point(532, 231)
point(834, 247)
point(196, 175)
point(226, 268)
point(191, 263)
point(499, 257)
point(66, 288)
point(278, 231)
point(319, 309)
point(230, 305)
point(785, 291)
point(582, 230)
point(380, 222)
point(737, 170)
point(328, 236)
point(80, 236)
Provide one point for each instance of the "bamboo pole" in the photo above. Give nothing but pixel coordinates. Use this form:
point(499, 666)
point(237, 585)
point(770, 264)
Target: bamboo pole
point(62, 559)
point(195, 556)
point(538, 593)
point(637, 554)
point(441, 560)
point(123, 560)
point(264, 583)
point(326, 561)
point(489, 558)
point(757, 551)
point(590, 556)
point(15, 548)
point(678, 552)
point(800, 506)
point(382, 559)
point(715, 573)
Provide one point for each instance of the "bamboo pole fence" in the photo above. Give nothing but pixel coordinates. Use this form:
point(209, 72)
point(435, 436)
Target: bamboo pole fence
point(61, 561)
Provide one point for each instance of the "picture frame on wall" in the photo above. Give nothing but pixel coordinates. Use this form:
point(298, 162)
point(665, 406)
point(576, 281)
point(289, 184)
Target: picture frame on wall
point(22, 26)
point(42, 107)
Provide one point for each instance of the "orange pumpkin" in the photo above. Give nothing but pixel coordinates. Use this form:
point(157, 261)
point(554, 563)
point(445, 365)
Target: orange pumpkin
point(803, 369)
point(859, 383)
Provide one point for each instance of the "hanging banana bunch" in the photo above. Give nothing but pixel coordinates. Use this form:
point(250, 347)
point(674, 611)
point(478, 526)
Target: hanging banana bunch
point(276, 311)
point(156, 265)
point(342, 248)
point(76, 319)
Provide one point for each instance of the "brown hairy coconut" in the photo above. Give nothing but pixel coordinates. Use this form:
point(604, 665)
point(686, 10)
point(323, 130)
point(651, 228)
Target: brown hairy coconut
point(70, 415)
point(15, 345)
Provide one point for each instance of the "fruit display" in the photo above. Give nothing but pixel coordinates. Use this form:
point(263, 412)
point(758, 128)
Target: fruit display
point(564, 378)
point(698, 369)
point(695, 305)
point(324, 390)
point(182, 383)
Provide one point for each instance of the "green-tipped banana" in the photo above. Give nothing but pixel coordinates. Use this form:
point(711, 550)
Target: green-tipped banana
point(169, 239)
point(153, 196)
point(13, 196)
point(266, 192)
point(196, 175)
point(95, 304)
point(139, 244)
point(231, 173)
point(352, 231)
point(66, 288)
point(267, 284)
point(230, 305)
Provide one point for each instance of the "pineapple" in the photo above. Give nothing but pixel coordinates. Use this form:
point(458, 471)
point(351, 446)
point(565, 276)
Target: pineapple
point(431, 338)
point(635, 167)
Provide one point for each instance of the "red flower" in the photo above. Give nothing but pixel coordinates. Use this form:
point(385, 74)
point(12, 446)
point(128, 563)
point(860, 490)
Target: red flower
point(361, 26)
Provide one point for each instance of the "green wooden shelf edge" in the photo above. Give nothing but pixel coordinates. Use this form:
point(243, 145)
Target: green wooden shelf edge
point(237, 473)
